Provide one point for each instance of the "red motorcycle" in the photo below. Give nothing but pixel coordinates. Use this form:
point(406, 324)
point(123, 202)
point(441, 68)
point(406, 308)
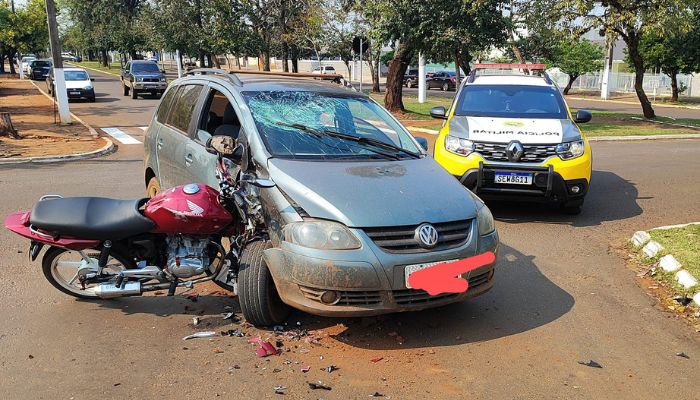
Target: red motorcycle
point(106, 248)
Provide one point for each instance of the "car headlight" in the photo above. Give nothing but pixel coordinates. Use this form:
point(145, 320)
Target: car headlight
point(162, 79)
point(457, 145)
point(139, 79)
point(322, 235)
point(570, 150)
point(88, 87)
point(484, 220)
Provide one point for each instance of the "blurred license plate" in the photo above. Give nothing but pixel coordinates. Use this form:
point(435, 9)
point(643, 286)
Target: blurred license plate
point(417, 267)
point(513, 178)
point(74, 93)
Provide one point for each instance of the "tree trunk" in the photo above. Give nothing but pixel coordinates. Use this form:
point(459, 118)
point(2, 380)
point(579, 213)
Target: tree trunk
point(458, 63)
point(674, 86)
point(104, 58)
point(285, 56)
point(572, 79)
point(464, 59)
point(2, 62)
point(6, 128)
point(394, 80)
point(201, 58)
point(633, 51)
point(294, 56)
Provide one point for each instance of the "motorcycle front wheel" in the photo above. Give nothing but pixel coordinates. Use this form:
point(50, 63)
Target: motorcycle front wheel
point(62, 268)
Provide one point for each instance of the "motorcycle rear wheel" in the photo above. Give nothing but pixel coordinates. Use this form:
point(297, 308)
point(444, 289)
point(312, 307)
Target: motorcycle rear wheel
point(55, 257)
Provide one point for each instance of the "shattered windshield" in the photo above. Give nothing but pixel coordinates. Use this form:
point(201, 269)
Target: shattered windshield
point(312, 125)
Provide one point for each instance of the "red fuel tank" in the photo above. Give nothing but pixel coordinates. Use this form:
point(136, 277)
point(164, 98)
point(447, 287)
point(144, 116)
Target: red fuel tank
point(192, 209)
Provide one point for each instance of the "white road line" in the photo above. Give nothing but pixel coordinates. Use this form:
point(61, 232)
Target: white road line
point(143, 128)
point(120, 135)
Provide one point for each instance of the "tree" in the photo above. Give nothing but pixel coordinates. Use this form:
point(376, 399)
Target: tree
point(23, 31)
point(631, 19)
point(577, 57)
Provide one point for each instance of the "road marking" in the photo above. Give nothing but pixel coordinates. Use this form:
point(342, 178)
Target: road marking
point(120, 135)
point(144, 128)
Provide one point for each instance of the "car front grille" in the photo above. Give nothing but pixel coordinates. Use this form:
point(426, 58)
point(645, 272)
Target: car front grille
point(401, 239)
point(533, 153)
point(150, 80)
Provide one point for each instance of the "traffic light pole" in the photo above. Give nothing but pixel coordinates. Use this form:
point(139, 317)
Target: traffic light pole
point(59, 78)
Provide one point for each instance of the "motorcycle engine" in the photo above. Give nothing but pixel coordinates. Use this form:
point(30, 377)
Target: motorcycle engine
point(187, 256)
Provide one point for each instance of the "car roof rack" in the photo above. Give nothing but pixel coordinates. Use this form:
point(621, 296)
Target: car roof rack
point(232, 75)
point(525, 69)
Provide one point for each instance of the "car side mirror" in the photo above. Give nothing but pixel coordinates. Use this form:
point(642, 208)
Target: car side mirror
point(92, 79)
point(423, 142)
point(438, 112)
point(582, 116)
point(162, 71)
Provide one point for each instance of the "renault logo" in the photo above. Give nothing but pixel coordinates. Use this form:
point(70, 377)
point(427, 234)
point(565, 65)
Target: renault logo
point(427, 236)
point(514, 151)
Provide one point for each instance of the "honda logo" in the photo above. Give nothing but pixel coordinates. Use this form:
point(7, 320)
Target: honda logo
point(514, 151)
point(427, 236)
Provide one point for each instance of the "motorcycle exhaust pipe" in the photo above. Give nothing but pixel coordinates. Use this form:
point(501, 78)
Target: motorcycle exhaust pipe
point(110, 291)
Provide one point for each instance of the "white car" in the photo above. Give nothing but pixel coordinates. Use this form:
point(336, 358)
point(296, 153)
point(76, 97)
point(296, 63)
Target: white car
point(78, 84)
point(24, 63)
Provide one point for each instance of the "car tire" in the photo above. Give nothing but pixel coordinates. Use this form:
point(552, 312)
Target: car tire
point(153, 188)
point(445, 87)
point(572, 207)
point(260, 303)
point(409, 84)
point(134, 94)
point(125, 89)
point(92, 99)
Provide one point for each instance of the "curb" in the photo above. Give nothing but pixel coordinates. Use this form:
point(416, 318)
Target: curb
point(693, 127)
point(634, 103)
point(92, 130)
point(650, 248)
point(106, 149)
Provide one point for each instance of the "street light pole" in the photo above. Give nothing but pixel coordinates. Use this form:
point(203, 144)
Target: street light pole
point(361, 64)
point(59, 78)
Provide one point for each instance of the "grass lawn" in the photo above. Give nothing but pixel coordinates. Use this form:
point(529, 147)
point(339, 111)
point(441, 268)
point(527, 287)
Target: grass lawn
point(684, 244)
point(113, 69)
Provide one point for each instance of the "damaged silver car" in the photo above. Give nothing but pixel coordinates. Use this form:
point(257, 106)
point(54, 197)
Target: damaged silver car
point(356, 207)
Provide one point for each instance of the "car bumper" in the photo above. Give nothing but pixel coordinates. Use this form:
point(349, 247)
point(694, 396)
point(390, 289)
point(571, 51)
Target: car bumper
point(367, 281)
point(150, 86)
point(80, 93)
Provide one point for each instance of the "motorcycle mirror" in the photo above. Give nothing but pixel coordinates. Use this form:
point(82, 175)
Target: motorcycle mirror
point(221, 145)
point(262, 183)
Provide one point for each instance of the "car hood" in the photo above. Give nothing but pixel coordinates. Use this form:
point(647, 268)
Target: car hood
point(374, 194)
point(505, 130)
point(77, 84)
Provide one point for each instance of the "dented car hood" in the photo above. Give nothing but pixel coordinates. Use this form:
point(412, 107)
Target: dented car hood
point(373, 194)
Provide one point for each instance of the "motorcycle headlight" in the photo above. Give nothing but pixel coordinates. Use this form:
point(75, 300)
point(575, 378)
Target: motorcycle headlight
point(484, 220)
point(569, 150)
point(457, 145)
point(322, 235)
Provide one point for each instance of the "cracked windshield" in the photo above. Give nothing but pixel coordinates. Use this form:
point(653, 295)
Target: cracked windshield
point(298, 124)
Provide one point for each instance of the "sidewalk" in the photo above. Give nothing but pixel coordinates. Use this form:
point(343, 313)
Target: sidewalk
point(33, 116)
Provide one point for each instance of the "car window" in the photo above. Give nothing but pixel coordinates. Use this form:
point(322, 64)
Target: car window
point(183, 106)
point(278, 115)
point(75, 75)
point(145, 67)
point(511, 101)
point(127, 66)
point(164, 106)
point(218, 117)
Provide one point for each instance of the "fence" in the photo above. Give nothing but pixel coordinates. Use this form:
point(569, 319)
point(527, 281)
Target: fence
point(623, 82)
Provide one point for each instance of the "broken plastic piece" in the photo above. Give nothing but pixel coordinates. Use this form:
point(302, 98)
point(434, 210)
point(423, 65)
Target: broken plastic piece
point(330, 368)
point(319, 385)
point(590, 363)
point(191, 296)
point(306, 368)
point(377, 359)
point(265, 349)
point(200, 335)
point(376, 394)
point(195, 321)
point(233, 333)
point(279, 389)
point(682, 354)
point(231, 316)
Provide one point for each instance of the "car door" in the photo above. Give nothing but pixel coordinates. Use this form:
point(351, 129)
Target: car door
point(203, 166)
point(174, 136)
point(430, 82)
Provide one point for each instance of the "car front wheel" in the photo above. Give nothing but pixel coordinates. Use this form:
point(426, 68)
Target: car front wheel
point(260, 303)
point(125, 89)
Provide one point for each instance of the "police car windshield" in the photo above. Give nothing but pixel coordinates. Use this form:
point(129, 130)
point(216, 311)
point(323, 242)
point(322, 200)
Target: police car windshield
point(511, 101)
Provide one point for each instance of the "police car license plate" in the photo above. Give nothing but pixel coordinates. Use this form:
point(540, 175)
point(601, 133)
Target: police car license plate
point(513, 178)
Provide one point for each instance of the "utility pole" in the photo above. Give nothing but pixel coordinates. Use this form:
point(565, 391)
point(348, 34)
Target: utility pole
point(421, 78)
point(605, 86)
point(361, 64)
point(59, 78)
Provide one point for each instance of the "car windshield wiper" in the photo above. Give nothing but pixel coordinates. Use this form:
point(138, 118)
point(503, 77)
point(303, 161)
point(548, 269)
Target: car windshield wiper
point(356, 139)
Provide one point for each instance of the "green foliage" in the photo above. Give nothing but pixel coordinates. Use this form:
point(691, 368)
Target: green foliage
point(577, 57)
point(25, 30)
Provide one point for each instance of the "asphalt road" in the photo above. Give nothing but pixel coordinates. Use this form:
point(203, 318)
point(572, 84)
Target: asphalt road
point(563, 294)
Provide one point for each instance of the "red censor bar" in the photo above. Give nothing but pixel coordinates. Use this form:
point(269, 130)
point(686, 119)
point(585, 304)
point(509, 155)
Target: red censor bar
point(511, 66)
point(444, 278)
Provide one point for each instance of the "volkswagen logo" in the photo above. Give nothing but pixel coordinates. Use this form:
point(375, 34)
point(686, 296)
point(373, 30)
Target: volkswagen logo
point(427, 236)
point(514, 151)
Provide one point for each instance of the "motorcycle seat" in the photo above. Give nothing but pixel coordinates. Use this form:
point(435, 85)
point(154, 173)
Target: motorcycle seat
point(91, 217)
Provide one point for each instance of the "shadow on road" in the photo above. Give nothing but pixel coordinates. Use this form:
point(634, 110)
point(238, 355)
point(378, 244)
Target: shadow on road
point(610, 198)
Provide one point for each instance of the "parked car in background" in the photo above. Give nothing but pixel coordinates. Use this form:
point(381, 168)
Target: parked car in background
point(324, 70)
point(410, 79)
point(26, 60)
point(355, 205)
point(71, 57)
point(39, 69)
point(444, 80)
point(140, 77)
point(78, 84)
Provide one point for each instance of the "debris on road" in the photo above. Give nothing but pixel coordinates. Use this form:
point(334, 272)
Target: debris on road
point(31, 357)
point(377, 359)
point(231, 316)
point(306, 368)
point(200, 335)
point(233, 333)
point(330, 368)
point(319, 385)
point(278, 328)
point(265, 349)
point(590, 363)
point(683, 355)
point(683, 300)
point(376, 394)
point(195, 321)
point(217, 350)
point(191, 296)
point(279, 389)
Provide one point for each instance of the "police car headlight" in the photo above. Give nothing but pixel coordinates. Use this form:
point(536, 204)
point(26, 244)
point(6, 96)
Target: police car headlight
point(457, 145)
point(322, 235)
point(570, 150)
point(484, 220)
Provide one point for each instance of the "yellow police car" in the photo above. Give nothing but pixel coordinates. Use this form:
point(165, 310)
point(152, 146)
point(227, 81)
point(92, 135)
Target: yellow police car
point(509, 134)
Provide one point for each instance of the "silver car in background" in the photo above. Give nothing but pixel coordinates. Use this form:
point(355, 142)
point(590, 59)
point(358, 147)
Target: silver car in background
point(353, 192)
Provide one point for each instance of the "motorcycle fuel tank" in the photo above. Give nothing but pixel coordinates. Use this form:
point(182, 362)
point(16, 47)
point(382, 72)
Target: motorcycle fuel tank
point(192, 209)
